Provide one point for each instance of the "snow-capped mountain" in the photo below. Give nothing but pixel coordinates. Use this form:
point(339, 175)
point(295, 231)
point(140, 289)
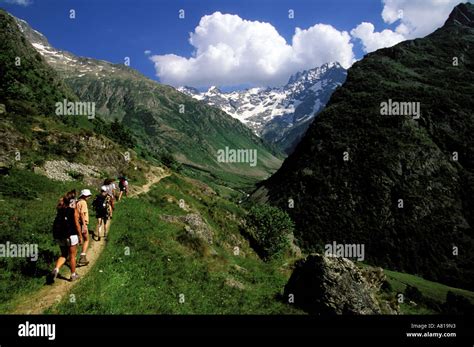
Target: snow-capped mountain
point(65, 62)
point(280, 115)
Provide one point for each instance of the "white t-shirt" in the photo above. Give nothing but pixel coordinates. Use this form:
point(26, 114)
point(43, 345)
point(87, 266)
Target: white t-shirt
point(110, 189)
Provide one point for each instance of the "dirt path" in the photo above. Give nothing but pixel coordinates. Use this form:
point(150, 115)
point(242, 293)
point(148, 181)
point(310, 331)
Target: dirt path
point(155, 175)
point(38, 302)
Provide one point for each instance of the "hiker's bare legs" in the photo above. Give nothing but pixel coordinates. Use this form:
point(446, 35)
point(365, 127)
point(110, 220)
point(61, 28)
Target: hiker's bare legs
point(107, 227)
point(97, 227)
point(120, 196)
point(60, 262)
point(85, 237)
point(62, 259)
point(72, 258)
point(85, 245)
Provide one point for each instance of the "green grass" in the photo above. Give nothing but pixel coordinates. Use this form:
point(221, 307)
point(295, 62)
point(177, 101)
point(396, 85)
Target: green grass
point(434, 293)
point(429, 289)
point(162, 263)
point(160, 267)
point(27, 207)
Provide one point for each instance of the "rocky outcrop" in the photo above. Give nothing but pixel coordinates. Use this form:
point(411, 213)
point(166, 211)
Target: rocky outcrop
point(62, 170)
point(295, 250)
point(194, 225)
point(332, 285)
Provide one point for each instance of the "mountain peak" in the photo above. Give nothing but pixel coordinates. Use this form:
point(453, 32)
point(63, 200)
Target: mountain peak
point(214, 90)
point(462, 14)
point(314, 73)
point(30, 34)
point(281, 114)
point(296, 76)
point(188, 90)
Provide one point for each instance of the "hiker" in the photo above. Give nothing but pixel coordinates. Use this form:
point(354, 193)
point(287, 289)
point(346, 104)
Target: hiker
point(103, 211)
point(109, 183)
point(84, 224)
point(67, 233)
point(123, 187)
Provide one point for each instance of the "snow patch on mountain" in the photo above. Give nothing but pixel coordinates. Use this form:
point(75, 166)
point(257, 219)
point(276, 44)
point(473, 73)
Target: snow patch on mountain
point(305, 94)
point(64, 61)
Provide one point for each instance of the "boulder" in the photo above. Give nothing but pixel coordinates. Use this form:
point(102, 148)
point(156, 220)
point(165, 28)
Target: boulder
point(328, 285)
point(233, 283)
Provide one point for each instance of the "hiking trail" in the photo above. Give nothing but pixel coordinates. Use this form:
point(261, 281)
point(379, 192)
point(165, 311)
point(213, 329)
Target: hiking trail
point(37, 303)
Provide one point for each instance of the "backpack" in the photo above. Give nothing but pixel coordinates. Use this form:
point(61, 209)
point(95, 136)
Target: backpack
point(63, 224)
point(122, 183)
point(101, 205)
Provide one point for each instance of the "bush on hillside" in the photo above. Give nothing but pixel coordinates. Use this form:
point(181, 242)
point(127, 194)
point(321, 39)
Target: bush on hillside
point(413, 293)
point(457, 304)
point(269, 228)
point(115, 131)
point(121, 134)
point(168, 160)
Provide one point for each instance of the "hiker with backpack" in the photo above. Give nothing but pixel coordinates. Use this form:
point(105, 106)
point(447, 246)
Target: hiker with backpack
point(84, 224)
point(110, 185)
point(103, 212)
point(123, 187)
point(67, 233)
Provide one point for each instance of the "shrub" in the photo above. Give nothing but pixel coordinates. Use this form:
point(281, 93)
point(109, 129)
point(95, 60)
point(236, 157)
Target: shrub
point(76, 175)
point(194, 243)
point(115, 131)
point(457, 304)
point(121, 134)
point(269, 228)
point(169, 160)
point(413, 294)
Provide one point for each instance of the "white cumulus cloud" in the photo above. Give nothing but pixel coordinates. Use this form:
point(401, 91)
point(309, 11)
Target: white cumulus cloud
point(229, 50)
point(417, 18)
point(372, 40)
point(322, 43)
point(413, 19)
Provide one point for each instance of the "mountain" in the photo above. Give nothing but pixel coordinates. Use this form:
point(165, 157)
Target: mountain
point(180, 226)
point(162, 119)
point(194, 235)
point(279, 115)
point(37, 139)
point(23, 73)
point(400, 184)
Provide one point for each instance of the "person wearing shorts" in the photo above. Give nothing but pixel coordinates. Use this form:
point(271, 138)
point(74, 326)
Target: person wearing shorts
point(123, 186)
point(84, 224)
point(67, 233)
point(103, 211)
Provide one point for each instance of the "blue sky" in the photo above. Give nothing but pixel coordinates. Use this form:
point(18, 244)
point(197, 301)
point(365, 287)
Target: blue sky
point(114, 29)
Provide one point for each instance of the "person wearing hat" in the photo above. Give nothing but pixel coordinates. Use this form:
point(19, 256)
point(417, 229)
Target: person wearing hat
point(84, 222)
